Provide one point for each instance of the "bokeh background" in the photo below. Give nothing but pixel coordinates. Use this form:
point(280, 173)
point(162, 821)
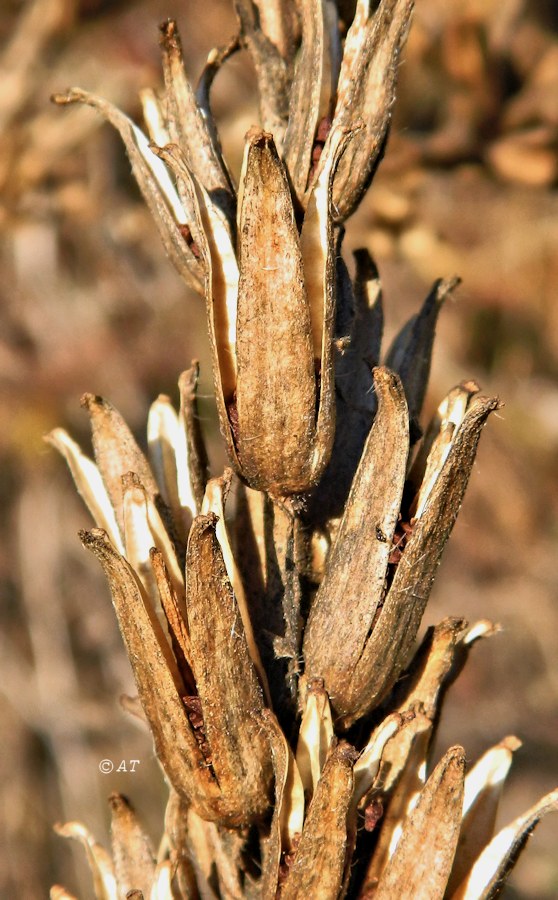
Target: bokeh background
point(89, 302)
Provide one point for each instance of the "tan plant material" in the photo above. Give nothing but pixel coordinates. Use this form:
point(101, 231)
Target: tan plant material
point(320, 859)
point(270, 614)
point(420, 868)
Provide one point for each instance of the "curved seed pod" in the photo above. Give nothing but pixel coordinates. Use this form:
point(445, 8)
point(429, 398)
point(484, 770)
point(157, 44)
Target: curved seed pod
point(441, 656)
point(490, 871)
point(155, 673)
point(171, 217)
point(214, 502)
point(366, 93)
point(100, 863)
point(320, 861)
point(89, 484)
point(483, 789)
point(387, 649)
point(344, 610)
point(230, 695)
point(215, 248)
point(133, 854)
point(312, 89)
point(116, 452)
point(188, 125)
point(420, 868)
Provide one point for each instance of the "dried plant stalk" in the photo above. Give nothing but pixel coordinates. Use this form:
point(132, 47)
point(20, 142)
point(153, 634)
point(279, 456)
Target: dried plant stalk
point(273, 641)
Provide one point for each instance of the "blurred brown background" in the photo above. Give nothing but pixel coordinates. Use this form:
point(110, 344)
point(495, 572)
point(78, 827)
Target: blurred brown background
point(89, 302)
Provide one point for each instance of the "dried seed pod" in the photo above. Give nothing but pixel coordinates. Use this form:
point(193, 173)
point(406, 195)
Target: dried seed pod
point(320, 861)
point(288, 806)
point(162, 439)
point(344, 610)
point(368, 764)
point(315, 735)
point(404, 759)
point(155, 673)
point(100, 863)
point(365, 93)
point(176, 842)
point(420, 868)
point(221, 277)
point(483, 789)
point(282, 410)
point(387, 648)
point(276, 387)
point(116, 452)
point(366, 331)
point(133, 854)
point(143, 530)
point(154, 116)
point(166, 207)
point(312, 89)
point(498, 858)
point(216, 493)
point(188, 125)
point(174, 610)
point(440, 657)
point(355, 396)
point(230, 695)
point(194, 453)
point(280, 307)
point(408, 748)
point(89, 484)
point(437, 441)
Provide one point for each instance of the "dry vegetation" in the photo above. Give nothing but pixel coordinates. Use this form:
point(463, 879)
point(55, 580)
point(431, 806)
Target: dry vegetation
point(90, 302)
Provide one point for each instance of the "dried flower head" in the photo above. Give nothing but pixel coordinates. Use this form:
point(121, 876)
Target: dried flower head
point(264, 255)
point(272, 642)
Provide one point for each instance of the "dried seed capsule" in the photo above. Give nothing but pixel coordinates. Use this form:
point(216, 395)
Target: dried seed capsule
point(276, 387)
point(344, 610)
point(420, 868)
